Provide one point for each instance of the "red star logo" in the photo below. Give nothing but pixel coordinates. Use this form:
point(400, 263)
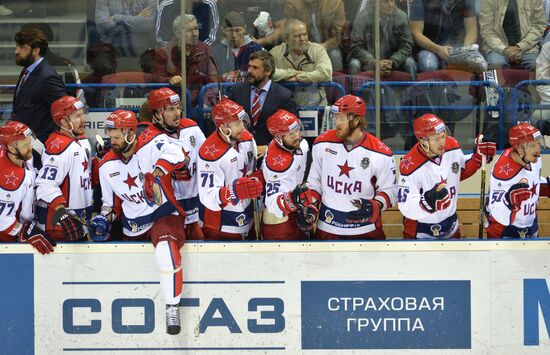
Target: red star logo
point(146, 133)
point(383, 147)
point(85, 164)
point(11, 179)
point(130, 181)
point(506, 169)
point(345, 169)
point(244, 170)
point(406, 162)
point(279, 160)
point(56, 143)
point(533, 190)
point(211, 150)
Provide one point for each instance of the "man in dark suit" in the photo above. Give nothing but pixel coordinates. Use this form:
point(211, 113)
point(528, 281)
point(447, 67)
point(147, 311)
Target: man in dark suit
point(261, 97)
point(38, 86)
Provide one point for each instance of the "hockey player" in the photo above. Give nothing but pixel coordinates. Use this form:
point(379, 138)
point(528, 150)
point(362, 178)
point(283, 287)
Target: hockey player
point(128, 174)
point(283, 169)
point(165, 106)
point(430, 178)
point(516, 185)
point(64, 183)
point(225, 187)
point(354, 173)
point(17, 189)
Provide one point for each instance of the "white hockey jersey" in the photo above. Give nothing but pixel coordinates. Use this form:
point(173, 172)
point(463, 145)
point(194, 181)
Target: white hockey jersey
point(502, 221)
point(220, 163)
point(366, 171)
point(122, 182)
point(65, 177)
point(283, 171)
point(16, 196)
point(420, 174)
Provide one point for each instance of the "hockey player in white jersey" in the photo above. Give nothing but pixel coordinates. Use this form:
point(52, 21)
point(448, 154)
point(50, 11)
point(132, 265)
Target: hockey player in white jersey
point(430, 178)
point(129, 174)
point(354, 173)
point(516, 185)
point(165, 106)
point(17, 189)
point(284, 166)
point(225, 186)
point(64, 183)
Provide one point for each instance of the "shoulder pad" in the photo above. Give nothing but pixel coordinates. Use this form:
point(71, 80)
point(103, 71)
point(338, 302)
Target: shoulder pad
point(328, 136)
point(506, 168)
point(247, 136)
point(110, 155)
point(12, 175)
point(278, 159)
point(213, 148)
point(57, 143)
point(412, 161)
point(372, 143)
point(451, 144)
point(186, 123)
point(147, 135)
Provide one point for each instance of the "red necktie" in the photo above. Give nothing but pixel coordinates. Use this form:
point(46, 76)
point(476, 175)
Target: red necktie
point(256, 106)
point(22, 81)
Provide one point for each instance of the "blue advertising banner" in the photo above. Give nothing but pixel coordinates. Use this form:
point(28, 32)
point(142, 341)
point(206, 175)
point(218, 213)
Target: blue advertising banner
point(386, 315)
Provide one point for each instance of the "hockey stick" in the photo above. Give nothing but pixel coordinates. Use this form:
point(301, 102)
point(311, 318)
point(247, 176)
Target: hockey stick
point(482, 187)
point(256, 200)
point(218, 77)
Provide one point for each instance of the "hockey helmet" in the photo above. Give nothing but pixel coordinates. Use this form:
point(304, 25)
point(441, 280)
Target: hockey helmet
point(227, 111)
point(523, 133)
point(162, 97)
point(14, 131)
point(350, 104)
point(122, 119)
point(282, 122)
point(428, 125)
point(63, 107)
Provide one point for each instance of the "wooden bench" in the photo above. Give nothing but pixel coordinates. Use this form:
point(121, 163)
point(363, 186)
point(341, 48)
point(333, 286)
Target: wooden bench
point(468, 217)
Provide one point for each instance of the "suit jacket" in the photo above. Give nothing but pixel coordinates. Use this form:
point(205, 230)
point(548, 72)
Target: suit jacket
point(32, 106)
point(277, 97)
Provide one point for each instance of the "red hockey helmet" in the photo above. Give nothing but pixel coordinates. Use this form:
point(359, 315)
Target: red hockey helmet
point(282, 122)
point(523, 133)
point(162, 97)
point(350, 104)
point(63, 107)
point(14, 131)
point(428, 125)
point(122, 119)
point(227, 111)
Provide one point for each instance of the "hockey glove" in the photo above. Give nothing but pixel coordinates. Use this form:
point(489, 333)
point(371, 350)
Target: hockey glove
point(71, 225)
point(482, 147)
point(367, 211)
point(306, 218)
point(516, 194)
point(436, 199)
point(152, 190)
point(100, 228)
point(258, 175)
point(39, 239)
point(241, 189)
point(290, 201)
point(183, 174)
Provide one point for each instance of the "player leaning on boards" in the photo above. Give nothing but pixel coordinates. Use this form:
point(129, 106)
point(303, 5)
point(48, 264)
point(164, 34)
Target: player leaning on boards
point(287, 200)
point(430, 177)
point(129, 174)
point(353, 173)
point(226, 188)
point(64, 184)
point(185, 133)
point(17, 189)
point(516, 185)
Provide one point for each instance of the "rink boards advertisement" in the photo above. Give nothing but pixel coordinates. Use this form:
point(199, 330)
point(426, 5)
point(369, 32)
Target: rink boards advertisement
point(382, 297)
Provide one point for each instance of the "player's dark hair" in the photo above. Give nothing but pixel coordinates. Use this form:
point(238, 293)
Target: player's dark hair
point(34, 38)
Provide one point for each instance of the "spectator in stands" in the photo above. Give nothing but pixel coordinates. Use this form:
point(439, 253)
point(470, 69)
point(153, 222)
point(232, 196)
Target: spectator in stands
point(102, 58)
point(395, 41)
point(206, 12)
point(512, 30)
point(324, 20)
point(233, 52)
point(546, 35)
point(264, 19)
point(200, 70)
point(38, 86)
point(299, 60)
point(438, 26)
point(127, 24)
point(541, 117)
point(261, 98)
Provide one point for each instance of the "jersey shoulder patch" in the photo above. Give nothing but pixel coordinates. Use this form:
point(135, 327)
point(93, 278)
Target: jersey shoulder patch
point(11, 175)
point(186, 123)
point(57, 143)
point(412, 161)
point(506, 168)
point(328, 137)
point(213, 148)
point(278, 159)
point(371, 142)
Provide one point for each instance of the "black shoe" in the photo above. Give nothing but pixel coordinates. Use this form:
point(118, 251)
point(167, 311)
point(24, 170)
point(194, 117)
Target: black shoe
point(173, 319)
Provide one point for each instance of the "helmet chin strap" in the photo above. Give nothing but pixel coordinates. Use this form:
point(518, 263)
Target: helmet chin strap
point(161, 125)
point(128, 143)
point(17, 156)
point(71, 131)
point(426, 147)
point(227, 136)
